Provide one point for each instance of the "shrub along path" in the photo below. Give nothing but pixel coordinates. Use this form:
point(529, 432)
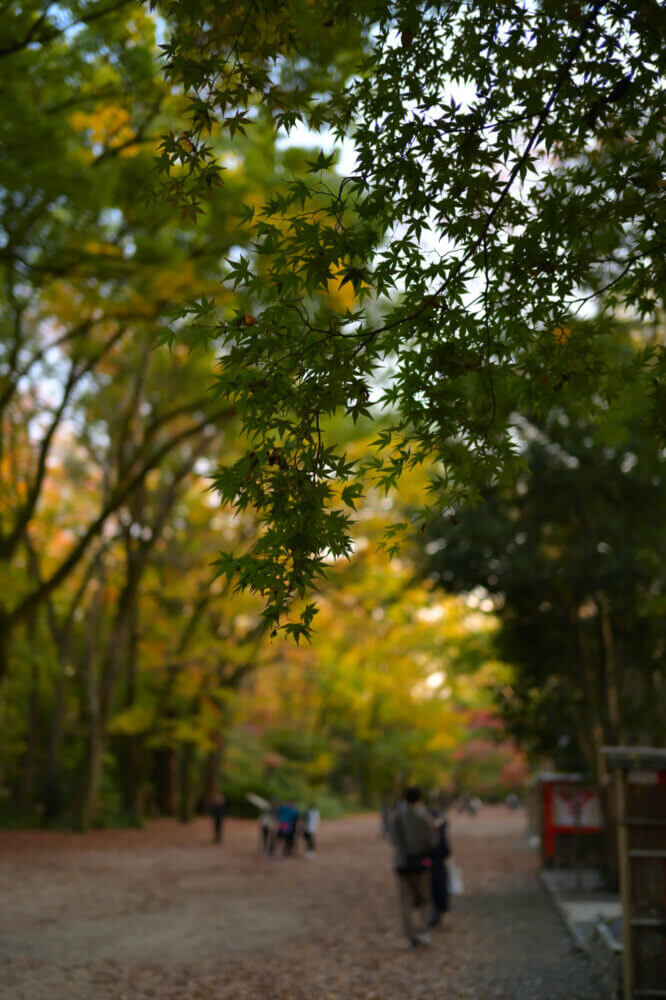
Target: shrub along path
point(163, 913)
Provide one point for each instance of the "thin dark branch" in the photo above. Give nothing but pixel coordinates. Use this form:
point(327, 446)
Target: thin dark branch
point(58, 32)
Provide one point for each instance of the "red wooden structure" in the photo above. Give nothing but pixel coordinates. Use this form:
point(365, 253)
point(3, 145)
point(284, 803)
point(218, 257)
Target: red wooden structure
point(570, 809)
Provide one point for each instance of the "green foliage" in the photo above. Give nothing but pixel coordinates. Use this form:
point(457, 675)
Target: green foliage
point(573, 558)
point(509, 168)
point(252, 766)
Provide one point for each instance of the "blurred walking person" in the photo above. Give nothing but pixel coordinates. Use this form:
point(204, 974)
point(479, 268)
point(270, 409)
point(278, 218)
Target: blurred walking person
point(218, 810)
point(386, 818)
point(268, 828)
point(287, 816)
point(311, 822)
point(413, 841)
point(439, 880)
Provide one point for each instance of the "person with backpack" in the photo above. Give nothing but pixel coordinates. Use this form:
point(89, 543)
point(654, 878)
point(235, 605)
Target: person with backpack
point(413, 841)
point(287, 819)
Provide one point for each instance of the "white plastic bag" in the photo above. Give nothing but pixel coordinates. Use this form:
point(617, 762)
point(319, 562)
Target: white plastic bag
point(454, 875)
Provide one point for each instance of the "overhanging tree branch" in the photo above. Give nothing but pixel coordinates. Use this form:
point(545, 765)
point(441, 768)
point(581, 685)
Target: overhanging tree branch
point(33, 35)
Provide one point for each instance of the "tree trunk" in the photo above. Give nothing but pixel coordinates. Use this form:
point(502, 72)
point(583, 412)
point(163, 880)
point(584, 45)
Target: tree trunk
point(52, 790)
point(27, 776)
point(100, 699)
point(92, 708)
point(5, 637)
point(172, 781)
point(164, 772)
point(53, 785)
point(616, 733)
point(598, 739)
point(212, 771)
point(91, 776)
point(592, 697)
point(186, 782)
point(131, 756)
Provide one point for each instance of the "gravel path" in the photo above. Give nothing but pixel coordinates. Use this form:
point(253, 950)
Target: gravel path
point(162, 913)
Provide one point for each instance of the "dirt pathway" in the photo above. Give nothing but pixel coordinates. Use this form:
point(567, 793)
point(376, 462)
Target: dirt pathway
point(162, 913)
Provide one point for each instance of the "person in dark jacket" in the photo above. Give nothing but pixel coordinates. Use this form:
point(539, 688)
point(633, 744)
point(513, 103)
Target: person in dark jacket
point(287, 816)
point(413, 841)
point(438, 873)
point(218, 810)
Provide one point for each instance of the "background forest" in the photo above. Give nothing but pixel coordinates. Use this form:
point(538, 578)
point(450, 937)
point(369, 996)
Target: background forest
point(132, 683)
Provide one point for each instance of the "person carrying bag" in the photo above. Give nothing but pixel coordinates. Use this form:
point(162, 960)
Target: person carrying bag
point(413, 843)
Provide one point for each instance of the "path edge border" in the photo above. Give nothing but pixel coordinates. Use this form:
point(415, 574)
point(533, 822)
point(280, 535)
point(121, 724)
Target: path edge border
point(551, 890)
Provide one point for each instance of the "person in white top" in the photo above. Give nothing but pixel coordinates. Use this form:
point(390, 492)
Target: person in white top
point(310, 827)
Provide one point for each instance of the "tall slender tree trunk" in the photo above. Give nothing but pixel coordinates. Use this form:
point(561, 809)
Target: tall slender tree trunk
point(93, 755)
point(52, 791)
point(53, 802)
point(186, 782)
point(616, 736)
point(92, 775)
point(598, 739)
point(616, 732)
point(212, 771)
point(28, 764)
point(164, 772)
point(172, 781)
point(132, 779)
point(130, 755)
point(100, 698)
point(5, 638)
point(94, 742)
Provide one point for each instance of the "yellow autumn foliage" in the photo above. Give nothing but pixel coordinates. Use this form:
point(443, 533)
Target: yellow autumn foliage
point(108, 125)
point(446, 738)
point(562, 334)
point(100, 249)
